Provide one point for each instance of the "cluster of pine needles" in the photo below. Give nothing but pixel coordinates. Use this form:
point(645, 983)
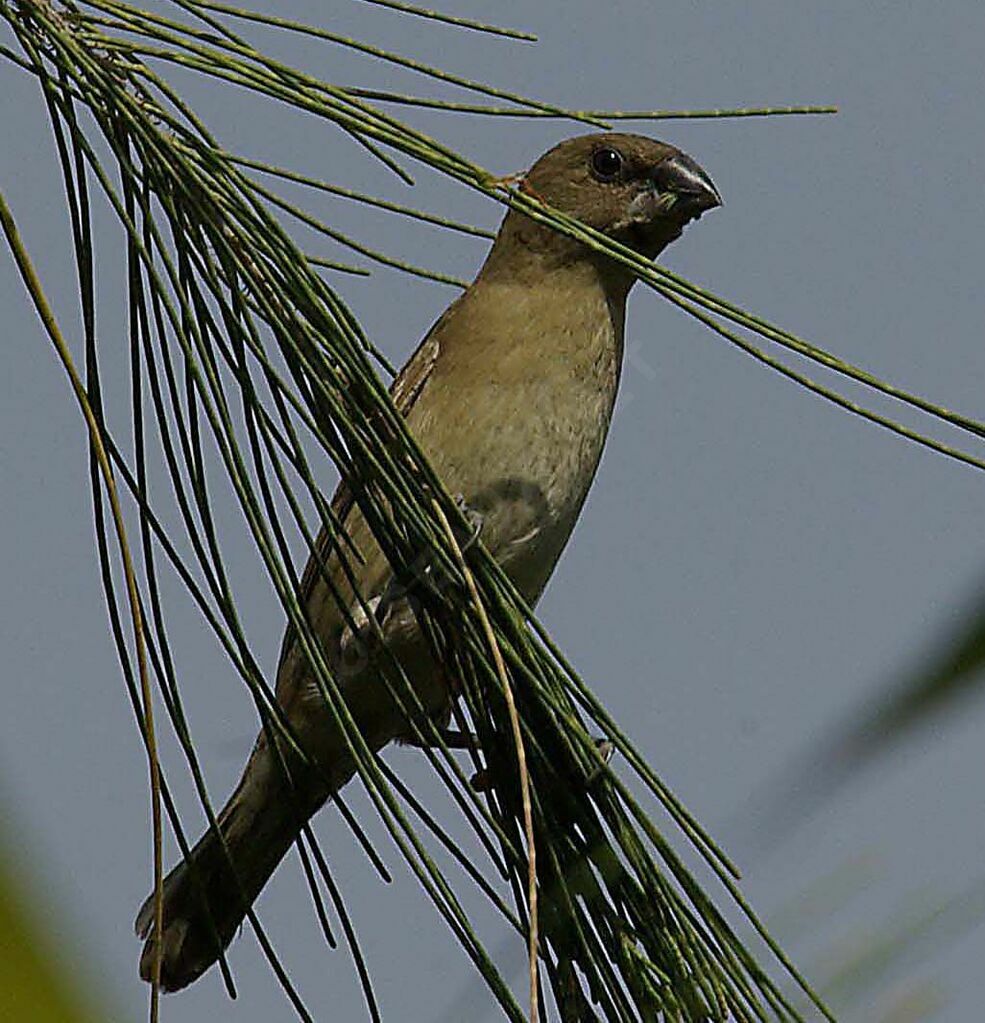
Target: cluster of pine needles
point(244, 360)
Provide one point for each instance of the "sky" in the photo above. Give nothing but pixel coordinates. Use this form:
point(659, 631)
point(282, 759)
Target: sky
point(753, 569)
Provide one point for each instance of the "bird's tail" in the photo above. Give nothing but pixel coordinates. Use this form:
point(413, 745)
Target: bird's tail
point(207, 896)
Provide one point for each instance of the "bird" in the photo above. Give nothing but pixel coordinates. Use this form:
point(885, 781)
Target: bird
point(510, 396)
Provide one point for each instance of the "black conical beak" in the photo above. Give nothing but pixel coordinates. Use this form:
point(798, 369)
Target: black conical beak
point(681, 176)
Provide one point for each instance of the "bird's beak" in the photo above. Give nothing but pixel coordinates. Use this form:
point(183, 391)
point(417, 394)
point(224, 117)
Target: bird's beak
point(693, 192)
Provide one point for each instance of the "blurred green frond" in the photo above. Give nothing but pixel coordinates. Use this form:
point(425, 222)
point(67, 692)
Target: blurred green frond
point(952, 672)
point(38, 979)
point(863, 962)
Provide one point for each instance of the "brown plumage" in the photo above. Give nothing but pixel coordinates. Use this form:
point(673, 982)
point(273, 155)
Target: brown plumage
point(510, 396)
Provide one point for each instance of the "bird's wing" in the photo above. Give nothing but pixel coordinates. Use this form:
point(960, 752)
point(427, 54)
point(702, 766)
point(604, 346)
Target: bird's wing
point(405, 390)
point(410, 381)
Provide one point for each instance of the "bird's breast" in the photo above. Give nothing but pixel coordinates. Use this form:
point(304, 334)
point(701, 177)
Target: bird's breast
point(514, 418)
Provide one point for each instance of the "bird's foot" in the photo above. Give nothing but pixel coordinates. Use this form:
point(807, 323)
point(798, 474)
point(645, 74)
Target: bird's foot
point(605, 750)
point(481, 781)
point(366, 620)
point(420, 572)
point(453, 738)
point(472, 517)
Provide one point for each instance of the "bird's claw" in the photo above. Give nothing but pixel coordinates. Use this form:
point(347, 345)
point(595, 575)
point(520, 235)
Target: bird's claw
point(481, 781)
point(361, 619)
point(472, 517)
point(605, 750)
point(450, 737)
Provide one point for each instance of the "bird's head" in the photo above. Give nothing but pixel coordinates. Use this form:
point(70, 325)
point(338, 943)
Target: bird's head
point(636, 190)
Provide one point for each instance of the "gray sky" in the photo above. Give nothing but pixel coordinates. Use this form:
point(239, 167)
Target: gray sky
point(752, 567)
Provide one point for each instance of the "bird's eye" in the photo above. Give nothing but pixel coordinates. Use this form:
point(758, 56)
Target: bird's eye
point(607, 163)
